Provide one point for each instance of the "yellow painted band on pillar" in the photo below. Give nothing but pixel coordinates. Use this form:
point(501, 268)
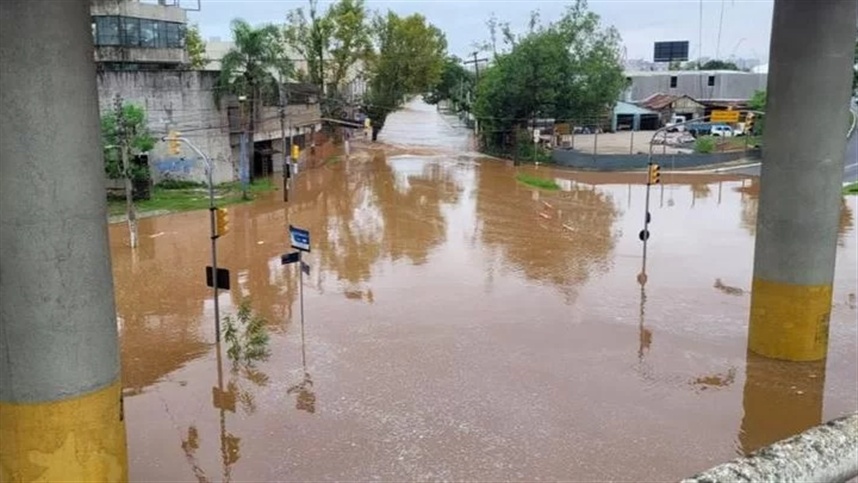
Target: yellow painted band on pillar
point(77, 439)
point(789, 322)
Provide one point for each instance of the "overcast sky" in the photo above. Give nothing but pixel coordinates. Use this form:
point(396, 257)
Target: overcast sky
point(745, 28)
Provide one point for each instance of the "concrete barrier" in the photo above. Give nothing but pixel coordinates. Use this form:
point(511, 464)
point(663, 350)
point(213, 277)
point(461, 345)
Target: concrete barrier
point(826, 453)
point(625, 162)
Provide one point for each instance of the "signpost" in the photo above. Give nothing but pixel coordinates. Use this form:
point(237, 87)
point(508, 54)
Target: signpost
point(299, 238)
point(728, 117)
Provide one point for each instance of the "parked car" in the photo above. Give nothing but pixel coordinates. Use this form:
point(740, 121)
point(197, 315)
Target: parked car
point(722, 130)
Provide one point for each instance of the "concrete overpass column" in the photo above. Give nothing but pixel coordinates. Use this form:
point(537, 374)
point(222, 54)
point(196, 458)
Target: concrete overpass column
point(60, 396)
point(809, 85)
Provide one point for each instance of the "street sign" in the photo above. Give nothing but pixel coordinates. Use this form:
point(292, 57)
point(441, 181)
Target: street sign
point(724, 116)
point(222, 278)
point(288, 258)
point(300, 238)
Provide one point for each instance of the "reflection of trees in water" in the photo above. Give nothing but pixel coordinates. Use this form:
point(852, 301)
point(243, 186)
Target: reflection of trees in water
point(560, 238)
point(750, 198)
point(158, 313)
point(360, 216)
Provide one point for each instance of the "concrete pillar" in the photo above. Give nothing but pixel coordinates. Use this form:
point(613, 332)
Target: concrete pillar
point(60, 397)
point(809, 84)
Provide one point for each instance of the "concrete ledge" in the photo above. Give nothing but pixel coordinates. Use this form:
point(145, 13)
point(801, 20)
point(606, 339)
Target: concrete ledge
point(826, 453)
point(626, 162)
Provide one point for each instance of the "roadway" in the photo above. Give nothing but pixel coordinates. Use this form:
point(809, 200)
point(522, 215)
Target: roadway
point(850, 170)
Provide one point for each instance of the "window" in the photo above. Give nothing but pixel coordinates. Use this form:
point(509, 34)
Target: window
point(107, 31)
point(148, 34)
point(673, 81)
point(711, 81)
point(137, 32)
point(172, 37)
point(131, 31)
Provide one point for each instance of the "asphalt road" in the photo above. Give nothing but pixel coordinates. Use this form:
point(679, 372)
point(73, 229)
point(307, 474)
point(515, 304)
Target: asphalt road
point(850, 171)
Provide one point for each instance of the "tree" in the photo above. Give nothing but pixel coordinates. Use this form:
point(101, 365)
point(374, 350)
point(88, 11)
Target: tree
point(309, 35)
point(569, 69)
point(758, 101)
point(250, 67)
point(196, 47)
point(719, 65)
point(408, 59)
point(456, 85)
point(124, 133)
point(332, 43)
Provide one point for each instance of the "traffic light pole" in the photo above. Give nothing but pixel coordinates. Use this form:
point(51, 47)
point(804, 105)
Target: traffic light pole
point(213, 224)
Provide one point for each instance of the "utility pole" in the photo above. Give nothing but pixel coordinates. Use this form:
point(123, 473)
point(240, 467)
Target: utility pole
point(61, 415)
point(476, 63)
point(122, 134)
point(800, 184)
point(285, 153)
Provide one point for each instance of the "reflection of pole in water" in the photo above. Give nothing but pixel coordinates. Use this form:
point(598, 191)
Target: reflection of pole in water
point(306, 398)
point(780, 399)
point(720, 183)
point(644, 334)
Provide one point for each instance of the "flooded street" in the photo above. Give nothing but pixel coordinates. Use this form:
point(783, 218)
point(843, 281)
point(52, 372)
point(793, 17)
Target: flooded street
point(461, 325)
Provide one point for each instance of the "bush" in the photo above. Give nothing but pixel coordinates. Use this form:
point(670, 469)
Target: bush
point(704, 145)
point(537, 182)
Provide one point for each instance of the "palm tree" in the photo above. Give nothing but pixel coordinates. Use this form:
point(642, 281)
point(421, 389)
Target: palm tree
point(251, 68)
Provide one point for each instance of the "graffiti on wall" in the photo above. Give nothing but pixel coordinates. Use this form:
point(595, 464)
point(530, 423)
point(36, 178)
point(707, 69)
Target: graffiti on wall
point(174, 166)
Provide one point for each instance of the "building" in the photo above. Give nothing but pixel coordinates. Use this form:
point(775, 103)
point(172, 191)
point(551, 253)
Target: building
point(141, 57)
point(628, 116)
point(133, 35)
point(703, 85)
point(667, 106)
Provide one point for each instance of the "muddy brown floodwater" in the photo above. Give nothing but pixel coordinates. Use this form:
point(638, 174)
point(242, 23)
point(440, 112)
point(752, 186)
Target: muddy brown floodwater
point(460, 325)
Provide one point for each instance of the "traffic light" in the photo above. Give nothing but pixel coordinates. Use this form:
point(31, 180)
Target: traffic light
point(173, 143)
point(749, 124)
point(221, 222)
point(654, 174)
point(295, 152)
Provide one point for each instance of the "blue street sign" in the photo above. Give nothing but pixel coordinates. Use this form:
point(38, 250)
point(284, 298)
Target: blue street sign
point(300, 238)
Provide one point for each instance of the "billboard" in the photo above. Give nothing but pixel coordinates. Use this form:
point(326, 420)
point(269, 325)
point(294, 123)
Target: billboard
point(674, 50)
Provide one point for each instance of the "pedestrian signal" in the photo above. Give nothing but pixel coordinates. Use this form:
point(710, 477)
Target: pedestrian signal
point(296, 151)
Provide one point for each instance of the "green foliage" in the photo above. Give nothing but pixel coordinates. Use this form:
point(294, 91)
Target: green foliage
point(408, 59)
point(196, 47)
point(176, 196)
point(537, 182)
point(249, 68)
point(758, 101)
point(704, 145)
point(851, 189)
point(719, 65)
point(569, 69)
point(246, 336)
point(137, 136)
point(332, 43)
point(456, 85)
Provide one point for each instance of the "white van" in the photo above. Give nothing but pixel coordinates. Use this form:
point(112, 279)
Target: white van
point(722, 130)
point(674, 120)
